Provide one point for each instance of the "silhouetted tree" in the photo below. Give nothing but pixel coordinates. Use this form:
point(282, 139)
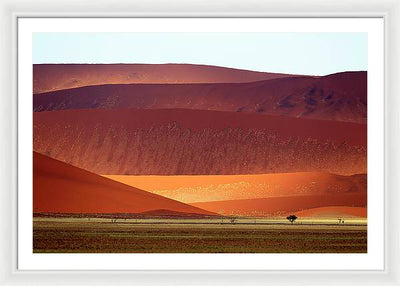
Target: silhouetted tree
point(232, 219)
point(292, 218)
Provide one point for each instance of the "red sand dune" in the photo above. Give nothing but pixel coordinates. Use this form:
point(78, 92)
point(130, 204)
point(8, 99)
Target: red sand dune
point(179, 142)
point(191, 189)
point(62, 188)
point(282, 205)
point(329, 212)
point(340, 97)
point(49, 77)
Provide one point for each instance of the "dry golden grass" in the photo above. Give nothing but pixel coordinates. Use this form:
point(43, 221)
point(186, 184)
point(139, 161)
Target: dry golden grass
point(87, 235)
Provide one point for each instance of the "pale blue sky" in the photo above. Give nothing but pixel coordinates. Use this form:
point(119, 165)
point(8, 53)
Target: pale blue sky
point(296, 53)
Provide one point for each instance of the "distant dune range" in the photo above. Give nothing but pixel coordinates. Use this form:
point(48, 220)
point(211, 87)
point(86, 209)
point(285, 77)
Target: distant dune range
point(197, 140)
point(191, 189)
point(50, 77)
point(193, 142)
point(281, 206)
point(340, 97)
point(62, 188)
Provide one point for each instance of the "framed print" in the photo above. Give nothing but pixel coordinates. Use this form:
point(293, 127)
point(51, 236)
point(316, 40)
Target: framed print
point(183, 144)
point(184, 149)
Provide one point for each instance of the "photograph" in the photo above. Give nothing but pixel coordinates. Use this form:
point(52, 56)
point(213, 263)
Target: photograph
point(199, 142)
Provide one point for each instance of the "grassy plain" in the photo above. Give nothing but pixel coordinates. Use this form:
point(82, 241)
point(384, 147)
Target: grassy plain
point(255, 235)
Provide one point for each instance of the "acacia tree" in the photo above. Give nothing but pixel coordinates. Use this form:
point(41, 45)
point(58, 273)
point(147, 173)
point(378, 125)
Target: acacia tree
point(292, 218)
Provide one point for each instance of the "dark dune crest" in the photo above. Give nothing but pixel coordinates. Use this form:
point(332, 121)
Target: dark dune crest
point(339, 97)
point(50, 77)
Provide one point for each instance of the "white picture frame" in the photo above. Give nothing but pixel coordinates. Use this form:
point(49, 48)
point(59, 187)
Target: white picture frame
point(12, 10)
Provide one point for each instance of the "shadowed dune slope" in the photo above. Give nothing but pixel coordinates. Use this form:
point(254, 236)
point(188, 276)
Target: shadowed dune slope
point(340, 97)
point(334, 212)
point(190, 189)
point(50, 77)
point(283, 205)
point(184, 142)
point(62, 188)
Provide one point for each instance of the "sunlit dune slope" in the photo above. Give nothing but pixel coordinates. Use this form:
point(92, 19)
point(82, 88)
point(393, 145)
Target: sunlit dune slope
point(340, 97)
point(283, 205)
point(62, 188)
point(190, 189)
point(49, 77)
point(196, 142)
point(335, 212)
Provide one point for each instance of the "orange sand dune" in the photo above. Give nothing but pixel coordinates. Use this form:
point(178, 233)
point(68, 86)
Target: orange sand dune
point(62, 188)
point(49, 77)
point(339, 97)
point(198, 142)
point(191, 189)
point(328, 212)
point(282, 205)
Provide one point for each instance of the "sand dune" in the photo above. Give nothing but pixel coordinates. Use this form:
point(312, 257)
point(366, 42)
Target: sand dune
point(339, 97)
point(190, 189)
point(193, 142)
point(280, 206)
point(50, 77)
point(335, 212)
point(62, 188)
